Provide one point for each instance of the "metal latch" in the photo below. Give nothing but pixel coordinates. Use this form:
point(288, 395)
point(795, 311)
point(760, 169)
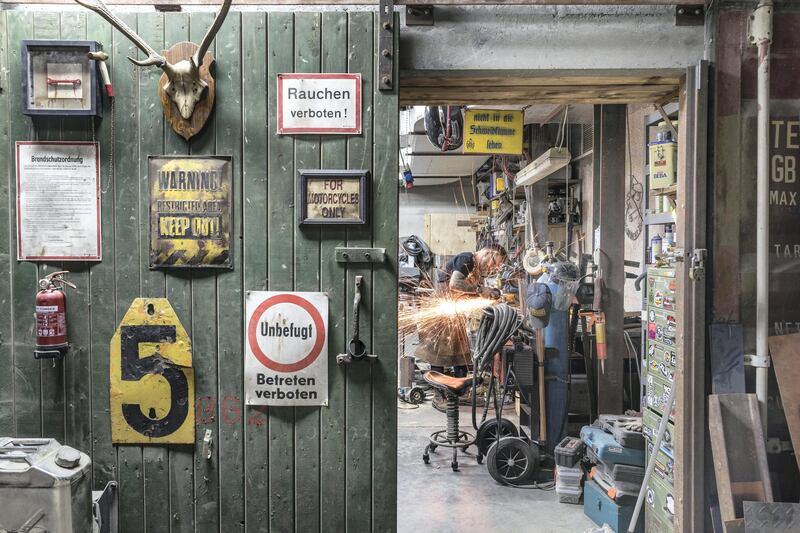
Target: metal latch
point(697, 268)
point(356, 349)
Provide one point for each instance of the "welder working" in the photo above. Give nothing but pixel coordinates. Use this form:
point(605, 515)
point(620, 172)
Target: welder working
point(463, 276)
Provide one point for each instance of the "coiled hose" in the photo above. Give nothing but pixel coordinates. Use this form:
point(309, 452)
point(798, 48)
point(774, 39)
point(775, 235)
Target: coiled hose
point(497, 325)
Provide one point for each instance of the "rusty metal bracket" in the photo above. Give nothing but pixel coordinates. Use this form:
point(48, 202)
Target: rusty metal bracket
point(690, 15)
point(419, 15)
point(386, 46)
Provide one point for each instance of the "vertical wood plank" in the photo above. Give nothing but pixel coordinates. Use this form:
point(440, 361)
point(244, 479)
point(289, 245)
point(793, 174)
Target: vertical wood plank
point(307, 43)
point(384, 313)
point(229, 283)
point(179, 293)
point(280, 246)
point(101, 288)
point(77, 364)
point(332, 279)
point(255, 94)
point(27, 378)
point(126, 211)
point(48, 26)
point(6, 328)
point(204, 336)
point(359, 388)
point(152, 283)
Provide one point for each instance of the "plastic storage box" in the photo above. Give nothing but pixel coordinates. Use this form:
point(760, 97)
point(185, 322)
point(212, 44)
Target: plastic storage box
point(569, 484)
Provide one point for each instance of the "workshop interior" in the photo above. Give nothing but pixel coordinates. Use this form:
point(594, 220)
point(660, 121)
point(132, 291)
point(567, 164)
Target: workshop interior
point(379, 265)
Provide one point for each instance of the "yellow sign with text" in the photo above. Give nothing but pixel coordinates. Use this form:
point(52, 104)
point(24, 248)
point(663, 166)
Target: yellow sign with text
point(493, 131)
point(152, 381)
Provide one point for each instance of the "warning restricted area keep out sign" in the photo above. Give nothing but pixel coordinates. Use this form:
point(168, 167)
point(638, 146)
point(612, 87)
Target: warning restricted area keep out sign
point(286, 354)
point(319, 103)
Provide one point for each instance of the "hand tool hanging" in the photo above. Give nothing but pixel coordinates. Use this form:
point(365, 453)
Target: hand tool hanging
point(597, 318)
point(356, 349)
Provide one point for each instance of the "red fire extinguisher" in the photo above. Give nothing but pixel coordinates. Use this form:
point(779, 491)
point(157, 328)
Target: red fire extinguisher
point(51, 317)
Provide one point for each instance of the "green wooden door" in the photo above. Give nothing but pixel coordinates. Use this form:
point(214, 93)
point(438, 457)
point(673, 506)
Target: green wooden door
point(271, 469)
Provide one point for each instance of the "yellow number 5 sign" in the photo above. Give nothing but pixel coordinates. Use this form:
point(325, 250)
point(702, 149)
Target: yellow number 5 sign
point(152, 381)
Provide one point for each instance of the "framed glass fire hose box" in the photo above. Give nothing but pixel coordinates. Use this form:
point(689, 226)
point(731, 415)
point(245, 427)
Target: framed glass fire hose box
point(58, 78)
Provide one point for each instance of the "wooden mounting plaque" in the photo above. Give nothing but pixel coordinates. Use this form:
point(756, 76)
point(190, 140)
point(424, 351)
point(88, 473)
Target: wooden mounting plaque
point(188, 128)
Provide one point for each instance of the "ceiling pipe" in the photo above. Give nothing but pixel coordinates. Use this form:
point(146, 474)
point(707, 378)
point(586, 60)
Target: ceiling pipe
point(761, 37)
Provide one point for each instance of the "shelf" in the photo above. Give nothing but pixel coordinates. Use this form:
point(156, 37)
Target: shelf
point(658, 218)
point(665, 192)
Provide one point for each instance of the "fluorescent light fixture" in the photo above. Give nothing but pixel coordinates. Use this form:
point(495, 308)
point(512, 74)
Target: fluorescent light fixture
point(546, 164)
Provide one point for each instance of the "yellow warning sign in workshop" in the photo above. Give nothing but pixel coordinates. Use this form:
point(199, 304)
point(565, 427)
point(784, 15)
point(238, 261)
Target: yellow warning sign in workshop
point(190, 211)
point(152, 380)
point(493, 131)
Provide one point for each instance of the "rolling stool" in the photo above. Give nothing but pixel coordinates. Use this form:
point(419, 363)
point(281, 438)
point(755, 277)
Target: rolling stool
point(451, 437)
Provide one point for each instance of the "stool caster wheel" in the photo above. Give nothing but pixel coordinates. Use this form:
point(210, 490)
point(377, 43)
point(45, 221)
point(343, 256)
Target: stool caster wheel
point(454, 466)
point(480, 459)
point(426, 458)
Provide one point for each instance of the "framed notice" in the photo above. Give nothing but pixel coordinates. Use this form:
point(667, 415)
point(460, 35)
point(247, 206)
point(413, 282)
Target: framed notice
point(190, 211)
point(58, 201)
point(319, 103)
point(286, 348)
point(333, 196)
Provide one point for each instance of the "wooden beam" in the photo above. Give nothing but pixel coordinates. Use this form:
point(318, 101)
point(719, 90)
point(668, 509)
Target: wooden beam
point(609, 188)
point(541, 79)
point(558, 94)
point(375, 2)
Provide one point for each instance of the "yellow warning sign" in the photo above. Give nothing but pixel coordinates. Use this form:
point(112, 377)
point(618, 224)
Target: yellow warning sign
point(152, 381)
point(493, 131)
point(190, 211)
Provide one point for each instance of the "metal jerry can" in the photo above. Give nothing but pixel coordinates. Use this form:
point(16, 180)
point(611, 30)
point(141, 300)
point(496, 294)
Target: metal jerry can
point(51, 317)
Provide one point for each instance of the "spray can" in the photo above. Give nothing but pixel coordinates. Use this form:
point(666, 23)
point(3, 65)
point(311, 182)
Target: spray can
point(655, 247)
point(669, 237)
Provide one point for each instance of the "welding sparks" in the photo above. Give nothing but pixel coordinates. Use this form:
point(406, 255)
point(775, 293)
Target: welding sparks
point(440, 317)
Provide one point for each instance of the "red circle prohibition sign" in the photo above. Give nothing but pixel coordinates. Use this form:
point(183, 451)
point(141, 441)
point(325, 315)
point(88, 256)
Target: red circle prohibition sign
point(315, 316)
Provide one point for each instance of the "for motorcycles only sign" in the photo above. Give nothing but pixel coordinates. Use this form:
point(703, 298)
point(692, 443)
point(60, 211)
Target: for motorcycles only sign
point(286, 355)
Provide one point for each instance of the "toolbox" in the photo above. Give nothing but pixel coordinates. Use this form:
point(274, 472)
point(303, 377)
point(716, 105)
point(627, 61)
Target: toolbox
point(601, 447)
point(627, 430)
point(569, 484)
point(603, 510)
point(569, 452)
point(619, 473)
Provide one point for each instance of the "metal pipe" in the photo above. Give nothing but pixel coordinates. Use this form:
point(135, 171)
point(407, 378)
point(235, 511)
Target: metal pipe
point(761, 36)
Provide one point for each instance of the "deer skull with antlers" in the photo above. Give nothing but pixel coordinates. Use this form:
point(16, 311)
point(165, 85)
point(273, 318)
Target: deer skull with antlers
point(184, 83)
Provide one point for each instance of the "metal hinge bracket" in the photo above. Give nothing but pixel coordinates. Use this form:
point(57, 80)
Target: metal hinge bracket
point(757, 361)
point(690, 15)
point(386, 46)
point(360, 255)
point(697, 266)
point(419, 15)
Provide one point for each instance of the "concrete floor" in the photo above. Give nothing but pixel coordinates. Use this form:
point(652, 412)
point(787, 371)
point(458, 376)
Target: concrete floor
point(433, 498)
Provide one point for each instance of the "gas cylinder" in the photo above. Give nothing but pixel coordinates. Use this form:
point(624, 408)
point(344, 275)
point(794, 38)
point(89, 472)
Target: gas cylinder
point(51, 317)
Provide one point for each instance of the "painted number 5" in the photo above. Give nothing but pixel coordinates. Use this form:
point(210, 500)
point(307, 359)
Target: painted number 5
point(135, 368)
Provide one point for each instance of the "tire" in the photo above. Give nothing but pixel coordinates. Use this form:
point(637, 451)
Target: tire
point(416, 395)
point(487, 433)
point(512, 461)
